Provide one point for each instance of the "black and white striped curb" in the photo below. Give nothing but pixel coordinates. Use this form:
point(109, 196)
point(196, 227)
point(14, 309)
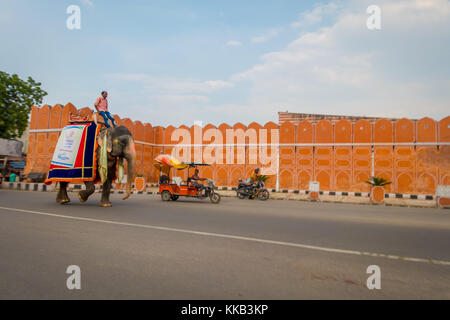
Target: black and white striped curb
point(347, 193)
point(29, 186)
point(410, 196)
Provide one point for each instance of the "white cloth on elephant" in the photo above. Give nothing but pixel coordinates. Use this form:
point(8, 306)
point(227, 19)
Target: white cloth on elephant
point(103, 163)
point(120, 171)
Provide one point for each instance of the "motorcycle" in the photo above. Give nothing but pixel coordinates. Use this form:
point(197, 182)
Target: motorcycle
point(252, 191)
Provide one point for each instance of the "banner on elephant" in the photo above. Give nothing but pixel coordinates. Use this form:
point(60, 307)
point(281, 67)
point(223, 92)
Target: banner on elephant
point(68, 145)
point(74, 158)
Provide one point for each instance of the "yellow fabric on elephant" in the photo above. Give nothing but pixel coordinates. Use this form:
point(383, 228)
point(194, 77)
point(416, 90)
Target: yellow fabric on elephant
point(120, 171)
point(103, 163)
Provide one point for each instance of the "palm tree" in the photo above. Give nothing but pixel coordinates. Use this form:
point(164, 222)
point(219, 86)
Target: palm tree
point(376, 181)
point(262, 178)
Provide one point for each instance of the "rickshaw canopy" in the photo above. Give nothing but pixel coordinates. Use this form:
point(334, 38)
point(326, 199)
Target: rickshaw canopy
point(165, 162)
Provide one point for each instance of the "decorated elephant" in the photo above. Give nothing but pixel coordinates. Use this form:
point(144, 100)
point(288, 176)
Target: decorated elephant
point(119, 146)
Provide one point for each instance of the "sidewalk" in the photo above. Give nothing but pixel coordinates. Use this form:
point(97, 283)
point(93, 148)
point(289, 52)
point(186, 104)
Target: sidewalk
point(300, 196)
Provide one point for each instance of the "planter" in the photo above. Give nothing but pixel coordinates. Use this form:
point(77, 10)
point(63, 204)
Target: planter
point(443, 196)
point(139, 184)
point(314, 188)
point(443, 202)
point(314, 196)
point(377, 194)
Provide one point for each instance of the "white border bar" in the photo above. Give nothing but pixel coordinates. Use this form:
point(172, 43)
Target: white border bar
point(218, 145)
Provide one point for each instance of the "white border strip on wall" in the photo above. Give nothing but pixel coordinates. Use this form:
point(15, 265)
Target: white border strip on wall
point(301, 144)
point(276, 144)
point(43, 130)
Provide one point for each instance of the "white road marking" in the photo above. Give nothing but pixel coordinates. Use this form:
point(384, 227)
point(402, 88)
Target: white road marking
point(227, 236)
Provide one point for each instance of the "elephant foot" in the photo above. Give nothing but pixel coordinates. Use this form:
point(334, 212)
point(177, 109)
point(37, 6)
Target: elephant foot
point(81, 198)
point(105, 204)
point(63, 201)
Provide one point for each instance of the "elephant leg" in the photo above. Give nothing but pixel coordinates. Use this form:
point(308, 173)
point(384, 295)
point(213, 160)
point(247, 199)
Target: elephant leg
point(83, 195)
point(106, 190)
point(104, 202)
point(62, 196)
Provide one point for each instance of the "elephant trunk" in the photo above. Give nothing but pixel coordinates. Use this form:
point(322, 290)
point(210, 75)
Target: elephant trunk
point(131, 162)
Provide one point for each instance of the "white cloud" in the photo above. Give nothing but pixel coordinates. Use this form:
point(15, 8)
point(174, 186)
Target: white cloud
point(87, 2)
point(218, 84)
point(316, 15)
point(334, 66)
point(234, 43)
point(164, 100)
point(267, 36)
point(344, 68)
point(171, 85)
point(169, 100)
point(319, 38)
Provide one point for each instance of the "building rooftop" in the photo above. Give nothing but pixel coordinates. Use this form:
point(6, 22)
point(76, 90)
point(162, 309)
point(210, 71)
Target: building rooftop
point(296, 118)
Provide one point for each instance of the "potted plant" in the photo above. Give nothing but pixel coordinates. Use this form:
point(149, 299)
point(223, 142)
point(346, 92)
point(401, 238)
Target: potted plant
point(377, 189)
point(262, 177)
point(139, 182)
point(262, 192)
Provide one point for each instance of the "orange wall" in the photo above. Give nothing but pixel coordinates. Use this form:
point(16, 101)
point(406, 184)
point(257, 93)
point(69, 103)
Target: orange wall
point(325, 153)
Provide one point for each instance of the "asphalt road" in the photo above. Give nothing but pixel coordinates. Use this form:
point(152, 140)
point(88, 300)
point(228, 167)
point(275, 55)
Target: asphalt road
point(143, 248)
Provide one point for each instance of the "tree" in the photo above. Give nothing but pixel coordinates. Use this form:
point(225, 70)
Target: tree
point(16, 98)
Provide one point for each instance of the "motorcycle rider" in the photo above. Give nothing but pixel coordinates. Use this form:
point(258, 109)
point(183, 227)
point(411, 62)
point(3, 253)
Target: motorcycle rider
point(253, 187)
point(252, 181)
point(254, 177)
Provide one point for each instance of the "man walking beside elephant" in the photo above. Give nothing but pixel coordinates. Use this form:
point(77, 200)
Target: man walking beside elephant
point(101, 105)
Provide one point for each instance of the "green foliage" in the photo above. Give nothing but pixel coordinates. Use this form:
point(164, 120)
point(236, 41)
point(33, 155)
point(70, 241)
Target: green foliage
point(262, 177)
point(375, 181)
point(16, 98)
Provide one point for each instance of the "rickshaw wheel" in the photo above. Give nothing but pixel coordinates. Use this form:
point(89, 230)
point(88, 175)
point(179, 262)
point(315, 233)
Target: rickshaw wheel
point(214, 197)
point(165, 195)
point(174, 197)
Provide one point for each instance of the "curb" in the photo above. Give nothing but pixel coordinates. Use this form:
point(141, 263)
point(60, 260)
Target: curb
point(27, 186)
point(346, 193)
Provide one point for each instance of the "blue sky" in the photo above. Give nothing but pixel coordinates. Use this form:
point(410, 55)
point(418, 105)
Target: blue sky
point(175, 62)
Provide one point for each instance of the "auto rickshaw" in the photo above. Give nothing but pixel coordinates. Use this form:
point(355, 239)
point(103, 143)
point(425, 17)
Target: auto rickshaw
point(173, 188)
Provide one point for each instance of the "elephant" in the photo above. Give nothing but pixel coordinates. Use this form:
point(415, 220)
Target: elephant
point(120, 145)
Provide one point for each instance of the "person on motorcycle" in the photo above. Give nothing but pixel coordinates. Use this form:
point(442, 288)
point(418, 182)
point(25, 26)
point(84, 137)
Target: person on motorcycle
point(253, 178)
point(194, 180)
point(252, 181)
